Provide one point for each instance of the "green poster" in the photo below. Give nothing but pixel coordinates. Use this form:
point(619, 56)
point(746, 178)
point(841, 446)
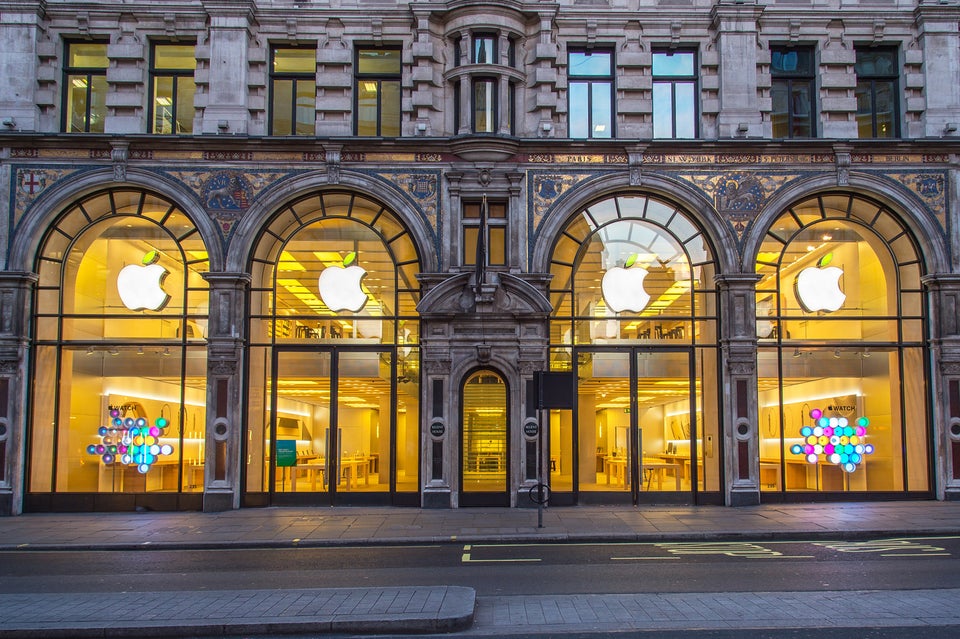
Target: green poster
point(286, 452)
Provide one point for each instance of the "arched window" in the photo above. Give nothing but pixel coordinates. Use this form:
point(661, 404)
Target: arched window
point(634, 315)
point(334, 363)
point(841, 327)
point(119, 371)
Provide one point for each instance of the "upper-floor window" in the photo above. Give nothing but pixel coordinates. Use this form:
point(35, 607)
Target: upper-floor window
point(484, 49)
point(674, 94)
point(590, 82)
point(378, 92)
point(484, 105)
point(293, 91)
point(877, 92)
point(85, 87)
point(792, 92)
point(490, 218)
point(172, 88)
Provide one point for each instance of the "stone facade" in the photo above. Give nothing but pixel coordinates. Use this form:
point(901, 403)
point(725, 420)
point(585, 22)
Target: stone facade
point(735, 177)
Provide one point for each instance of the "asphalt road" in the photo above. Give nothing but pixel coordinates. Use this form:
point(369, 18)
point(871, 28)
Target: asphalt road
point(506, 569)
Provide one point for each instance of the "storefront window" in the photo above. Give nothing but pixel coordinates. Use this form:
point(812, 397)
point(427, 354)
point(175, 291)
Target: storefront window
point(334, 364)
point(119, 376)
point(634, 316)
point(842, 381)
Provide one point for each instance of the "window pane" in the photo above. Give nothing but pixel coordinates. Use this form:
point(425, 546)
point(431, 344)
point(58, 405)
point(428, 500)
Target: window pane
point(886, 109)
point(186, 88)
point(295, 61)
point(174, 56)
point(163, 104)
point(470, 245)
point(675, 64)
point(484, 50)
point(602, 111)
point(686, 110)
point(497, 248)
point(801, 111)
point(778, 112)
point(662, 110)
point(282, 106)
point(876, 62)
point(483, 105)
point(367, 93)
point(390, 108)
point(88, 55)
point(579, 110)
point(378, 61)
point(306, 107)
point(98, 103)
point(589, 64)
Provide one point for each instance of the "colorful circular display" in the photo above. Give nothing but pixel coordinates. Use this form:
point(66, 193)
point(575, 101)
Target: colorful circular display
point(834, 440)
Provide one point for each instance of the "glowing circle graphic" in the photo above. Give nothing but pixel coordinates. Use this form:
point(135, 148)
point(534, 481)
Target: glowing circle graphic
point(833, 440)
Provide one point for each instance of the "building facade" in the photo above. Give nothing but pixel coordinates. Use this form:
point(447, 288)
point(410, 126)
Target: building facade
point(320, 252)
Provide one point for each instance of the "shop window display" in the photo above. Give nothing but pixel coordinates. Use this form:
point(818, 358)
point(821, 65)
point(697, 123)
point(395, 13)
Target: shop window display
point(120, 324)
point(634, 308)
point(334, 364)
point(840, 323)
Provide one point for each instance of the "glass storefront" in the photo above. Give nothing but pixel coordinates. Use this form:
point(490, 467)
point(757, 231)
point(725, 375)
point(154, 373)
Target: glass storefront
point(119, 373)
point(634, 316)
point(333, 363)
point(841, 363)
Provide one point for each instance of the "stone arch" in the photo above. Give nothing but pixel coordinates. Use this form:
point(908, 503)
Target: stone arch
point(717, 230)
point(273, 199)
point(454, 296)
point(30, 230)
point(912, 214)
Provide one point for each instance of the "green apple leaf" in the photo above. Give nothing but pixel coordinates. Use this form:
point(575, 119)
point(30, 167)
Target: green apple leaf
point(826, 259)
point(350, 258)
point(150, 258)
point(631, 260)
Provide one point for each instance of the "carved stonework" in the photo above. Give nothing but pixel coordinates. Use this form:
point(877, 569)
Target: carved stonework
point(222, 367)
point(950, 369)
point(9, 366)
point(437, 367)
point(742, 369)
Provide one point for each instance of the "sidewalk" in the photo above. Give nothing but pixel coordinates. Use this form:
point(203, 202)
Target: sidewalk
point(458, 609)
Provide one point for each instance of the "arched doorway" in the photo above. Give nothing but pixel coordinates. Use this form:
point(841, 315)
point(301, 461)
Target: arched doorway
point(118, 394)
point(841, 363)
point(634, 316)
point(333, 366)
point(484, 441)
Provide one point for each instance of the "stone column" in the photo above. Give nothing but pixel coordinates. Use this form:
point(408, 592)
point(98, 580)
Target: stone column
point(735, 24)
point(20, 34)
point(15, 295)
point(944, 308)
point(740, 412)
point(224, 429)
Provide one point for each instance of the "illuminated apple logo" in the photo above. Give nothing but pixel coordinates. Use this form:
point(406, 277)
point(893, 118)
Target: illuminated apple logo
point(339, 286)
point(622, 288)
point(141, 285)
point(818, 287)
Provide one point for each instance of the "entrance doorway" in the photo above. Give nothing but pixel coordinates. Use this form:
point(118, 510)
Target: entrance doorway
point(484, 441)
point(330, 427)
point(638, 428)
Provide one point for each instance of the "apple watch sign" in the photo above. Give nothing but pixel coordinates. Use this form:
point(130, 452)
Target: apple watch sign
point(141, 285)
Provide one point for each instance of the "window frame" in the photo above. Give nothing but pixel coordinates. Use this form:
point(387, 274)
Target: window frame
point(296, 78)
point(791, 81)
point(177, 74)
point(494, 112)
point(471, 223)
point(590, 81)
point(870, 81)
point(379, 79)
point(89, 73)
point(673, 81)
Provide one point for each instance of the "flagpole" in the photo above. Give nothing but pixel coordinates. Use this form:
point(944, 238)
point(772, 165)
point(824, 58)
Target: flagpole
point(481, 259)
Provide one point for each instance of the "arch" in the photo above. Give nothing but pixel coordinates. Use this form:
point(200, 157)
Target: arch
point(911, 213)
point(454, 295)
point(683, 196)
point(53, 202)
point(485, 437)
point(272, 201)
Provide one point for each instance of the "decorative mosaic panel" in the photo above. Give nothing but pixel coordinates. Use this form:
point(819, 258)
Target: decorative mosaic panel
point(546, 189)
point(931, 187)
point(30, 182)
point(422, 188)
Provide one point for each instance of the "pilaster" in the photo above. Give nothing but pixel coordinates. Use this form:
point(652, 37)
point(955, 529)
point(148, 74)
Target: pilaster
point(224, 436)
point(738, 344)
point(16, 290)
point(736, 28)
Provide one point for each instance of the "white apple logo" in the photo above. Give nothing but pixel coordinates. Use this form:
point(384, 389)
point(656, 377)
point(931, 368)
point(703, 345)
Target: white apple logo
point(622, 288)
point(818, 288)
point(339, 286)
point(141, 285)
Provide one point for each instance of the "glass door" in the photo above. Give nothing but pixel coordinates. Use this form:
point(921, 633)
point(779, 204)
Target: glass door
point(484, 448)
point(299, 439)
